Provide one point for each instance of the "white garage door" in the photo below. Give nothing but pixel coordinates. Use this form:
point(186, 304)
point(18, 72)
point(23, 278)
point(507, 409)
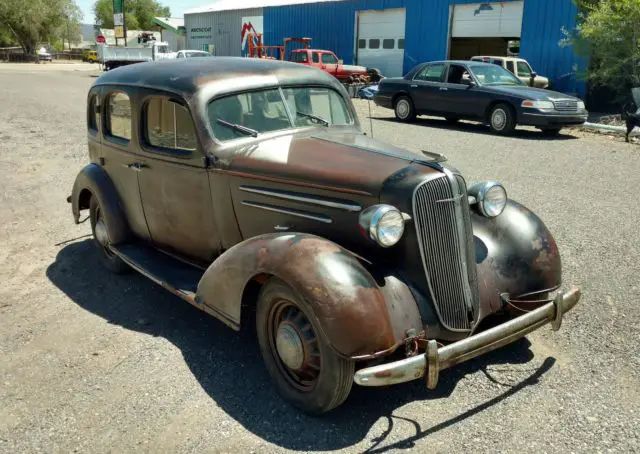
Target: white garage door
point(487, 20)
point(380, 41)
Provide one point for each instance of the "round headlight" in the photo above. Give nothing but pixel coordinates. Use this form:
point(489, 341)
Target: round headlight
point(491, 197)
point(384, 223)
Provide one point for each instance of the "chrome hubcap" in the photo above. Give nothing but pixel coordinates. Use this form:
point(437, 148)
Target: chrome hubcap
point(403, 108)
point(499, 119)
point(289, 346)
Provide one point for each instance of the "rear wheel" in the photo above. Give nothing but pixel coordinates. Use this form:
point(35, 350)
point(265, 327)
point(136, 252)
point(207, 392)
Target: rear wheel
point(404, 109)
point(101, 239)
point(502, 119)
point(306, 371)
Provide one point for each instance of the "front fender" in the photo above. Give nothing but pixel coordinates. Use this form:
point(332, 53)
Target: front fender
point(515, 254)
point(358, 316)
point(93, 181)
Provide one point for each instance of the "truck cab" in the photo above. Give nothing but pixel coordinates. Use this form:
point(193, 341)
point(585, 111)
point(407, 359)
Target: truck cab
point(327, 61)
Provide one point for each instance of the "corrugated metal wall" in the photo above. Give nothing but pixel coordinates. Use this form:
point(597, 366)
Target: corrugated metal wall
point(222, 29)
point(332, 26)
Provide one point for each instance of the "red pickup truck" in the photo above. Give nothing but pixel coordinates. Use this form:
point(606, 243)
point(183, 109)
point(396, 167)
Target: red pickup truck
point(329, 62)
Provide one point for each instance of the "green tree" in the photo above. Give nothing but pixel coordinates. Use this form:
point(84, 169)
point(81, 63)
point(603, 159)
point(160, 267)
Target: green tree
point(608, 33)
point(29, 23)
point(139, 14)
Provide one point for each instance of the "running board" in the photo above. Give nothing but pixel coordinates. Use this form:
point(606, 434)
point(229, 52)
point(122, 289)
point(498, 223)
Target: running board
point(174, 275)
point(179, 278)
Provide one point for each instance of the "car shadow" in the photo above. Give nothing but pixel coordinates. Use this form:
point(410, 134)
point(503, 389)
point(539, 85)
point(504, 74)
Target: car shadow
point(229, 368)
point(479, 128)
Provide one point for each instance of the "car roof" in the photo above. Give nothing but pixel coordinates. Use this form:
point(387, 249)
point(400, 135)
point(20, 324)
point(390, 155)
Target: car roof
point(498, 56)
point(460, 62)
point(186, 77)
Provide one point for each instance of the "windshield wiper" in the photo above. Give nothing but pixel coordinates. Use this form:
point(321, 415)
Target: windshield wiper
point(242, 129)
point(313, 117)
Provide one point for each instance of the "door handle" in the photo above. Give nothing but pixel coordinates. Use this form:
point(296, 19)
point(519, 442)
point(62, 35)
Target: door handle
point(135, 166)
point(414, 86)
point(444, 89)
point(281, 228)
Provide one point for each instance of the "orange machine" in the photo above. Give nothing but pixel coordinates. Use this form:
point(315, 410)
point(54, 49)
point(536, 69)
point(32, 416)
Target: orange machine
point(257, 48)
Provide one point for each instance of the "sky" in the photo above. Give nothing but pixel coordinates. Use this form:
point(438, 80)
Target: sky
point(178, 7)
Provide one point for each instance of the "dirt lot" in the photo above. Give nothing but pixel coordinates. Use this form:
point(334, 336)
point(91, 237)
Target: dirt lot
point(94, 362)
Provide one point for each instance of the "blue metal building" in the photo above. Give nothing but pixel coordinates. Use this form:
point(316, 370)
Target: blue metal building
point(432, 29)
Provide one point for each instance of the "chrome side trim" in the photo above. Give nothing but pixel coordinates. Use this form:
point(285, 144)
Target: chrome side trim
point(300, 214)
point(352, 207)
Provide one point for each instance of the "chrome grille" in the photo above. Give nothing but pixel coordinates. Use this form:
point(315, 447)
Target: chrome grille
point(443, 227)
point(566, 105)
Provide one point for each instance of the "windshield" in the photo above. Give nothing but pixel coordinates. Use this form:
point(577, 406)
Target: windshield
point(257, 112)
point(493, 75)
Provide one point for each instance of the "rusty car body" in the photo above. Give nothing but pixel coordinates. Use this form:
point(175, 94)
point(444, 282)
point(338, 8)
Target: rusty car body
point(246, 186)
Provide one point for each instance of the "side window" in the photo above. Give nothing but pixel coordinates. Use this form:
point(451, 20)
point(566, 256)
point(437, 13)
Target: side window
point(523, 69)
point(169, 125)
point(93, 117)
point(329, 59)
point(456, 74)
point(388, 43)
point(497, 61)
point(431, 73)
point(374, 44)
point(304, 57)
point(316, 57)
point(119, 115)
point(362, 44)
point(510, 66)
point(401, 43)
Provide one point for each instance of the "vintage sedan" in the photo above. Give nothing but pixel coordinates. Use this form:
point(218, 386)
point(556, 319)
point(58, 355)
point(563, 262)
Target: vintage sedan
point(478, 91)
point(247, 188)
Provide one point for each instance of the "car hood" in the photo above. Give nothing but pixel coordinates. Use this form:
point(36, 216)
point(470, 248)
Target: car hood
point(341, 160)
point(525, 92)
point(354, 68)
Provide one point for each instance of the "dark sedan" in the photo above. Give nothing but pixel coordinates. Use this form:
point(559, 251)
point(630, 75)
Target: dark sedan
point(478, 91)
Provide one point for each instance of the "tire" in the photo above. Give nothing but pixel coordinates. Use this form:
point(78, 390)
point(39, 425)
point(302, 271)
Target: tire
point(452, 120)
point(551, 132)
point(110, 261)
point(404, 110)
point(314, 379)
point(502, 119)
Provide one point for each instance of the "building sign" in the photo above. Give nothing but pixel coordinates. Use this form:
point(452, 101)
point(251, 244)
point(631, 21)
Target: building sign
point(251, 24)
point(200, 33)
point(118, 18)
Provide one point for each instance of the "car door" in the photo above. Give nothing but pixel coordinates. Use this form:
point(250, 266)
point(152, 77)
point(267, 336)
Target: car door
point(524, 71)
point(459, 98)
point(425, 87)
point(119, 153)
point(173, 180)
point(329, 63)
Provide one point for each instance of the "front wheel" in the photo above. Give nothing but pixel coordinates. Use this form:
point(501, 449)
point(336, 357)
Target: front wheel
point(306, 371)
point(404, 109)
point(502, 119)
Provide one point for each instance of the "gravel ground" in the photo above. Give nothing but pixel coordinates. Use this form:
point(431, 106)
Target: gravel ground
point(96, 362)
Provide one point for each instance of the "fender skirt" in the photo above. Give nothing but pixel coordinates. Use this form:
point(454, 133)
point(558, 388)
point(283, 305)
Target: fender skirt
point(94, 179)
point(359, 317)
point(516, 257)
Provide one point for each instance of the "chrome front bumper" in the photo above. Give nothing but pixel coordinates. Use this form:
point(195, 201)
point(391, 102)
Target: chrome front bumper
point(436, 359)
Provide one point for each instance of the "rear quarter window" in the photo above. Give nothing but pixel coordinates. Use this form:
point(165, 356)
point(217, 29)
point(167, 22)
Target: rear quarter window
point(93, 112)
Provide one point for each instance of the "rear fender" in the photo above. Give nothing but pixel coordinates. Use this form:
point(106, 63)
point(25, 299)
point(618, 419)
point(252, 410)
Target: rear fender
point(515, 254)
point(358, 316)
point(93, 180)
